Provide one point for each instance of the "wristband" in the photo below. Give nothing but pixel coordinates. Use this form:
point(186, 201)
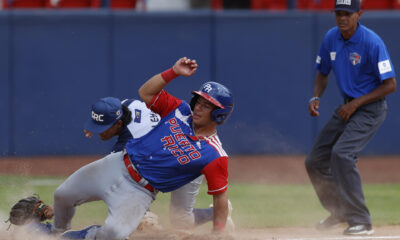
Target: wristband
point(219, 226)
point(313, 99)
point(169, 75)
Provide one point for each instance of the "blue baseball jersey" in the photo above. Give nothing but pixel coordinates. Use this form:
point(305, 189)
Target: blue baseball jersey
point(170, 156)
point(143, 120)
point(360, 63)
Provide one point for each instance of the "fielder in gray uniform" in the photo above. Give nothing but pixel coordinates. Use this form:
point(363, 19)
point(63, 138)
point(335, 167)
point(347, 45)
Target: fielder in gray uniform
point(365, 76)
point(109, 117)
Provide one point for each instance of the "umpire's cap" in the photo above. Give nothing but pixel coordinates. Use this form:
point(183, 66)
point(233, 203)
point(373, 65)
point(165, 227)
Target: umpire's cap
point(347, 5)
point(105, 113)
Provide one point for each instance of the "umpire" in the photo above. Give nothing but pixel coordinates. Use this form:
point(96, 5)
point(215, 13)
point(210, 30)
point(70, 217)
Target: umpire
point(365, 76)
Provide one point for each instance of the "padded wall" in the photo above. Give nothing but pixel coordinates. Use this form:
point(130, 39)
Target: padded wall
point(6, 102)
point(55, 64)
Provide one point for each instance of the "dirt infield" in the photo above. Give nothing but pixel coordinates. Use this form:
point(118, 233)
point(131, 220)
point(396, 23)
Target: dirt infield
point(249, 169)
point(292, 233)
point(381, 233)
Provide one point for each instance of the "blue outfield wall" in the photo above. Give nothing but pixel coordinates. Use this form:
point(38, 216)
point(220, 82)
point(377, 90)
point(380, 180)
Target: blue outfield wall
point(6, 89)
point(266, 65)
point(55, 64)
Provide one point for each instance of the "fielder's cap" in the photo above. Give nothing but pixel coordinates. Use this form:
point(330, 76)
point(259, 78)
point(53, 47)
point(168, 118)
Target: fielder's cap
point(347, 5)
point(105, 113)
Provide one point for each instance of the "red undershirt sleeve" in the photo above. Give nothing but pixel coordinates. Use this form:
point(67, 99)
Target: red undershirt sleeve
point(163, 103)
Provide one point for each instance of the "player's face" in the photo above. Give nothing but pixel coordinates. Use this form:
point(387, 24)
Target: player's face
point(112, 131)
point(202, 112)
point(347, 22)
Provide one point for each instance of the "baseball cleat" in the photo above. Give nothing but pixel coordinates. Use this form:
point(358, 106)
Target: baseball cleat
point(361, 229)
point(41, 227)
point(70, 235)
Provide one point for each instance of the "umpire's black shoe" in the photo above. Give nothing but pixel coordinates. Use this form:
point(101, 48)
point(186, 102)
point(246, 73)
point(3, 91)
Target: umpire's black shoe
point(329, 223)
point(361, 229)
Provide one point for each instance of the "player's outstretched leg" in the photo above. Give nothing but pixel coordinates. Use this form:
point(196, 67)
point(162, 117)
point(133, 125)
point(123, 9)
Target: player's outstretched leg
point(42, 228)
point(70, 235)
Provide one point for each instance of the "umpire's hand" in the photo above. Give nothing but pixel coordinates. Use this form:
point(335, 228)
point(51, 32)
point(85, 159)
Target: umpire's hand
point(313, 107)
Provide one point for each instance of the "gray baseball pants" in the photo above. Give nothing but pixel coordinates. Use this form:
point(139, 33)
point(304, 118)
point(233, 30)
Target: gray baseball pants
point(106, 179)
point(182, 203)
point(331, 164)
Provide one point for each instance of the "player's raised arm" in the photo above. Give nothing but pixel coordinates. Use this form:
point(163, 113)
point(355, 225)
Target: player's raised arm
point(183, 67)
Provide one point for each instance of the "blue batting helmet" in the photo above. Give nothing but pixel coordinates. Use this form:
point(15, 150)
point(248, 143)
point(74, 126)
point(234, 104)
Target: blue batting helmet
point(218, 95)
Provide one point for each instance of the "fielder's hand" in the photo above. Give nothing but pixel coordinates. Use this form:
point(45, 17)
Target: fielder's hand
point(87, 133)
point(185, 67)
point(30, 209)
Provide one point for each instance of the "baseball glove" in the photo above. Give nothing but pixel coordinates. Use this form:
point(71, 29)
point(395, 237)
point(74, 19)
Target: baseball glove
point(28, 209)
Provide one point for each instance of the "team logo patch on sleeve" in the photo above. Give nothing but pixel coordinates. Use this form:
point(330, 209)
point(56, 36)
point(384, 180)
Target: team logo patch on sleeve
point(138, 115)
point(318, 60)
point(384, 67)
point(333, 56)
point(355, 58)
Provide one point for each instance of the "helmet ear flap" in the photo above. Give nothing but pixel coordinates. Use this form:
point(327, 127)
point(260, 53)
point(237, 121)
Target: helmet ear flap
point(219, 115)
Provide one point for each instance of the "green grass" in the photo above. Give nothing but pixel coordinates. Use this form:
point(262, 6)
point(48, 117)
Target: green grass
point(255, 205)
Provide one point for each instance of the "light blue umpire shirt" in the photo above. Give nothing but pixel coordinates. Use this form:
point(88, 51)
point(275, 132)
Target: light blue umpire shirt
point(360, 63)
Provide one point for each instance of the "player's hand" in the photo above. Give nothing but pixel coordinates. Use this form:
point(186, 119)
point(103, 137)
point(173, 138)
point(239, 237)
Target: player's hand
point(49, 212)
point(185, 67)
point(313, 108)
point(87, 133)
point(347, 110)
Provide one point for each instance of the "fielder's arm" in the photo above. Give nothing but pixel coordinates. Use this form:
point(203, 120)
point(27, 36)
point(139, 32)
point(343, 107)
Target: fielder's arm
point(220, 202)
point(183, 67)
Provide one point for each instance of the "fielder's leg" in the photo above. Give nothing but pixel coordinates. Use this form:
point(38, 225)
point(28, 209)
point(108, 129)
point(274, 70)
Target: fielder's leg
point(125, 211)
point(127, 203)
point(85, 185)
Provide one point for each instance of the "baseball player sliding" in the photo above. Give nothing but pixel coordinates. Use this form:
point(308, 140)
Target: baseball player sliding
point(142, 120)
point(131, 119)
point(182, 212)
point(180, 148)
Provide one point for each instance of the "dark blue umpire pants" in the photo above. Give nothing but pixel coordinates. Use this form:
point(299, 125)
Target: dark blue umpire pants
point(331, 164)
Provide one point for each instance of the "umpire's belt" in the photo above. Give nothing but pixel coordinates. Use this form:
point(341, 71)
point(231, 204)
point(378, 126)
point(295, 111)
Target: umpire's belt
point(349, 99)
point(135, 175)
